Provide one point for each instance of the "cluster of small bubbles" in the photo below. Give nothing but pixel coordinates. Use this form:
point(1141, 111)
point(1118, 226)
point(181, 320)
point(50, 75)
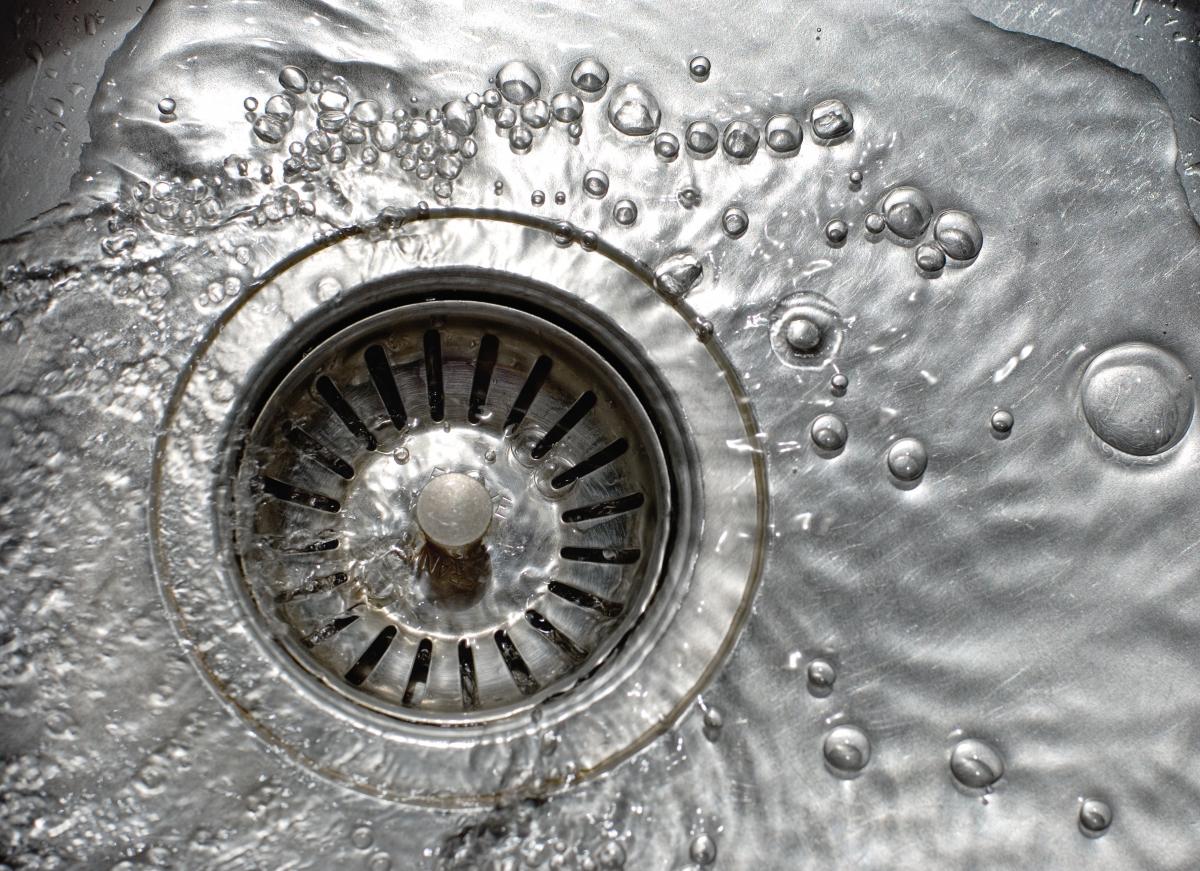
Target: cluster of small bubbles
point(906, 211)
point(1002, 421)
point(856, 177)
point(1138, 398)
point(590, 76)
point(701, 138)
point(595, 183)
point(689, 198)
point(836, 231)
point(831, 120)
point(740, 140)
point(666, 146)
point(829, 432)
point(838, 384)
point(633, 110)
point(847, 750)
point(703, 850)
point(678, 274)
point(820, 676)
point(784, 134)
point(976, 764)
point(625, 213)
point(518, 82)
point(1095, 817)
point(537, 198)
point(958, 234)
point(735, 222)
point(930, 258)
point(166, 106)
point(907, 460)
point(700, 68)
point(174, 205)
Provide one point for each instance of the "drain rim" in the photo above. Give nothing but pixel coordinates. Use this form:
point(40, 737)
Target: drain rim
point(469, 766)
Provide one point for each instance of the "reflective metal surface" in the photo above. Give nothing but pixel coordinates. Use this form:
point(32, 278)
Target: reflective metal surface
point(907, 295)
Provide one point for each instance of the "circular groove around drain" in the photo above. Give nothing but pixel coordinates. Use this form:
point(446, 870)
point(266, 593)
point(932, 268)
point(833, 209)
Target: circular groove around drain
point(420, 406)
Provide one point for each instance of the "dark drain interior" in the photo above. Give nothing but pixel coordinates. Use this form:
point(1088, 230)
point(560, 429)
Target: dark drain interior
point(514, 576)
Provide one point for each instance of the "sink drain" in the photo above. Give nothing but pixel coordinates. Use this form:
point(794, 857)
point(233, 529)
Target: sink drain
point(482, 517)
point(452, 510)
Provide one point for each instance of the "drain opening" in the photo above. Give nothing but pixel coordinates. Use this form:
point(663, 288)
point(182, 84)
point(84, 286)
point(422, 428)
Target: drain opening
point(453, 510)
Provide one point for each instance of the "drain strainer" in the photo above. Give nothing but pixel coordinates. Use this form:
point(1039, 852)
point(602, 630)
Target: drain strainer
point(452, 509)
point(472, 490)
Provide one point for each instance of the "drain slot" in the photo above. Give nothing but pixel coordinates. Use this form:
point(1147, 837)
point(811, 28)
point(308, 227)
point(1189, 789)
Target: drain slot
point(329, 392)
point(485, 363)
point(433, 374)
point(564, 425)
point(385, 385)
point(529, 391)
point(361, 670)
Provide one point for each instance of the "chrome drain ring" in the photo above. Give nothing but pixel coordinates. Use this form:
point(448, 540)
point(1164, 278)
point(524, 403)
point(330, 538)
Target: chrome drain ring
point(435, 404)
point(676, 626)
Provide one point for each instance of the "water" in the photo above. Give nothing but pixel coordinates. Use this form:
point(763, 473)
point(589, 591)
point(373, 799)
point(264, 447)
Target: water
point(953, 605)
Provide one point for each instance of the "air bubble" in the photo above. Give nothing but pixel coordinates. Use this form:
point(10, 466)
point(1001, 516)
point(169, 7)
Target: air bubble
point(250, 104)
point(828, 432)
point(1002, 421)
point(701, 138)
point(537, 198)
point(734, 222)
point(906, 211)
point(874, 223)
point(803, 335)
point(166, 106)
point(595, 183)
point(678, 274)
point(847, 750)
point(520, 139)
point(367, 113)
point(590, 76)
point(1138, 398)
point(633, 110)
point(506, 118)
point(332, 100)
point(784, 134)
point(536, 113)
point(699, 68)
point(518, 82)
point(856, 177)
point(740, 140)
point(838, 384)
point(958, 234)
point(666, 146)
point(625, 212)
point(560, 198)
point(930, 258)
point(821, 677)
point(386, 135)
point(703, 850)
point(1095, 817)
point(567, 108)
point(836, 231)
point(831, 120)
point(280, 106)
point(976, 764)
point(293, 79)
point(907, 460)
point(269, 129)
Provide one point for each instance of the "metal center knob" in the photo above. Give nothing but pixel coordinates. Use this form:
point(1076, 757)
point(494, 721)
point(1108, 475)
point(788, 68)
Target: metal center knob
point(454, 512)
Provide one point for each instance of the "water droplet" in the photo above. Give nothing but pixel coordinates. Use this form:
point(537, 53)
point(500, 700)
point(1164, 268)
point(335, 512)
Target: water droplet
point(703, 849)
point(847, 750)
point(633, 110)
point(930, 258)
point(518, 82)
point(958, 234)
point(1002, 421)
point(678, 274)
point(625, 212)
point(735, 222)
point(595, 183)
point(249, 104)
point(829, 432)
point(1138, 398)
point(803, 335)
point(821, 677)
point(537, 198)
point(784, 134)
point(836, 231)
point(907, 459)
point(269, 129)
point(280, 106)
point(906, 211)
point(874, 223)
point(293, 79)
point(1095, 817)
point(830, 120)
point(590, 76)
point(567, 108)
point(666, 146)
point(740, 140)
point(856, 177)
point(536, 113)
point(367, 113)
point(166, 106)
point(701, 138)
point(976, 764)
point(700, 68)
